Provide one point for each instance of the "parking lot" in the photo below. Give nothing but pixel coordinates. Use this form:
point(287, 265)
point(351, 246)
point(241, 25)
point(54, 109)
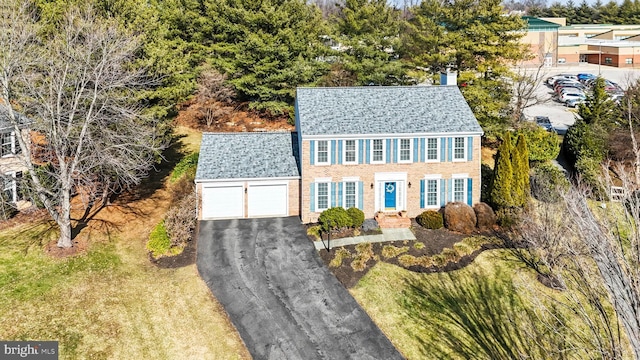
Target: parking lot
point(561, 116)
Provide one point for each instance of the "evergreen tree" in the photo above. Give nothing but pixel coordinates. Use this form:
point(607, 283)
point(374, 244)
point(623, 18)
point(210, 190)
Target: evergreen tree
point(267, 48)
point(599, 108)
point(584, 13)
point(520, 163)
point(475, 38)
point(503, 175)
point(610, 13)
point(369, 32)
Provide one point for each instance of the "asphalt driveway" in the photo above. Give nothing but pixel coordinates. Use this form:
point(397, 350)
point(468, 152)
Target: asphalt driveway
point(278, 294)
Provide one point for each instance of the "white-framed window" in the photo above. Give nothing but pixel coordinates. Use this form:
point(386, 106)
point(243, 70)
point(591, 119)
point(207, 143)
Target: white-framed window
point(459, 149)
point(432, 192)
point(628, 61)
point(405, 150)
point(350, 152)
point(377, 151)
point(7, 144)
point(432, 150)
point(350, 194)
point(10, 185)
point(460, 190)
point(322, 152)
point(322, 196)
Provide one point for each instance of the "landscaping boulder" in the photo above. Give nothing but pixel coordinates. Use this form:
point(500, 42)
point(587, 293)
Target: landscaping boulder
point(459, 217)
point(369, 225)
point(486, 217)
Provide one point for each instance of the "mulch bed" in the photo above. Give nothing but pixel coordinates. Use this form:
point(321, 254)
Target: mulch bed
point(434, 242)
point(185, 258)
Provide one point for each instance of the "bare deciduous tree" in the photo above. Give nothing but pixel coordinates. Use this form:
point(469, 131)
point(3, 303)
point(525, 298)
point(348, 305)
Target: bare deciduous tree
point(78, 85)
point(526, 89)
point(214, 96)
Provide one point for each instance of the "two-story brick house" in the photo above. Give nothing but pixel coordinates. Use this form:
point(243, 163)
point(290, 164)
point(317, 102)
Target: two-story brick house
point(386, 149)
point(383, 149)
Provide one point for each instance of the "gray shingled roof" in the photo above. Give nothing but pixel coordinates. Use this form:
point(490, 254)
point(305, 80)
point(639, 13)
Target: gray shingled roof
point(6, 124)
point(384, 110)
point(247, 155)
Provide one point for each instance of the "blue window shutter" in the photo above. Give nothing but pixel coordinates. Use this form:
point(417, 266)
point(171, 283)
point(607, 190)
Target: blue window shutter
point(450, 190)
point(312, 151)
point(333, 152)
point(340, 194)
point(388, 151)
point(416, 144)
point(339, 151)
point(360, 193)
point(313, 197)
point(449, 149)
point(422, 194)
point(332, 194)
point(368, 151)
point(395, 150)
point(469, 191)
point(360, 151)
point(443, 197)
point(442, 149)
point(470, 149)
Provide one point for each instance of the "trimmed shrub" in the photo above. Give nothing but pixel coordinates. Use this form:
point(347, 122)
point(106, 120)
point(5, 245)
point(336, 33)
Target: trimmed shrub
point(180, 221)
point(460, 217)
point(521, 189)
point(425, 261)
point(418, 245)
point(543, 145)
point(430, 219)
point(357, 217)
point(334, 218)
point(450, 255)
point(159, 241)
point(501, 186)
point(187, 165)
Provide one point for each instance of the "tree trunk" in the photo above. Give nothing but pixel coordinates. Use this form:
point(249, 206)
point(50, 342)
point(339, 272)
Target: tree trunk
point(64, 220)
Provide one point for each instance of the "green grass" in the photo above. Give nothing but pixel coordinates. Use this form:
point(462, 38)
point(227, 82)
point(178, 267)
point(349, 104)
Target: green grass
point(422, 313)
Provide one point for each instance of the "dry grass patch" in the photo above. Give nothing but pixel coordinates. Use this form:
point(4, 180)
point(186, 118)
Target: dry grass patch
point(340, 255)
point(364, 253)
point(390, 251)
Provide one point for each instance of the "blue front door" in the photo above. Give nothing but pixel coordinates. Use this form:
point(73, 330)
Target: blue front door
point(390, 195)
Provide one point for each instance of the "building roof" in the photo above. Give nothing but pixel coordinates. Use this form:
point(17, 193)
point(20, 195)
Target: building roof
point(247, 156)
point(537, 24)
point(383, 110)
point(6, 124)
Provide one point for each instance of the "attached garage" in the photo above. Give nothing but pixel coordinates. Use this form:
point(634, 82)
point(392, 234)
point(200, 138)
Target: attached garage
point(223, 201)
point(244, 175)
point(267, 200)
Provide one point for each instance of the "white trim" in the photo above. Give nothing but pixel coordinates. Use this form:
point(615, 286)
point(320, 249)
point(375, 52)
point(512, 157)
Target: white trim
point(344, 193)
point(211, 181)
point(317, 203)
point(384, 176)
point(13, 186)
point(350, 178)
point(258, 183)
point(344, 152)
point(438, 149)
point(12, 143)
point(384, 152)
point(464, 189)
point(438, 190)
point(432, 176)
point(401, 189)
point(464, 148)
point(390, 135)
point(317, 151)
point(226, 183)
point(459, 176)
point(398, 149)
point(322, 179)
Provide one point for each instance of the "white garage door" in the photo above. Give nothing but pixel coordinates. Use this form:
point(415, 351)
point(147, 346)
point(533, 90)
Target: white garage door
point(222, 202)
point(268, 200)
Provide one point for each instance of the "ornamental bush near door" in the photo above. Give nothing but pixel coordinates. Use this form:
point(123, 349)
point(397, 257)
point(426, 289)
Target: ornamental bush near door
point(335, 218)
point(430, 219)
point(357, 217)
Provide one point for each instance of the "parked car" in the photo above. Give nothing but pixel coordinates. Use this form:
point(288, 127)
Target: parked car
point(543, 121)
point(573, 102)
point(585, 76)
point(572, 95)
point(572, 87)
point(551, 80)
point(568, 83)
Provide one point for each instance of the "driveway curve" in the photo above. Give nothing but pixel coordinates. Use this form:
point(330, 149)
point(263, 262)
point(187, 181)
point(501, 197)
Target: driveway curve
point(281, 298)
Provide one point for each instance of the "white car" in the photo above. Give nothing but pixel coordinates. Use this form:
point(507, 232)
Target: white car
point(572, 95)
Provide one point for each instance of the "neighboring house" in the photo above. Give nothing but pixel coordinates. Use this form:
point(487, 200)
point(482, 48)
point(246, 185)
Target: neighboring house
point(12, 165)
point(375, 148)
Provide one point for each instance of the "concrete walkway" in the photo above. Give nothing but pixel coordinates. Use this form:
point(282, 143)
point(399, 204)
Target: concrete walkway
point(282, 299)
point(387, 235)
